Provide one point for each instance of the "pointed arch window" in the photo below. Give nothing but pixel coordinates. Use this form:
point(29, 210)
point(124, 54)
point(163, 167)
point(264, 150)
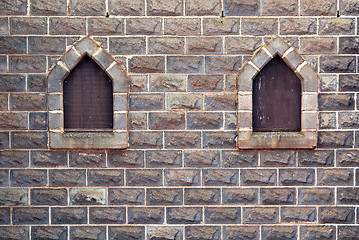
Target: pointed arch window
point(88, 99)
point(277, 100)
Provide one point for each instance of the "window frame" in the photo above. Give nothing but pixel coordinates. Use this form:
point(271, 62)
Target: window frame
point(59, 138)
point(307, 137)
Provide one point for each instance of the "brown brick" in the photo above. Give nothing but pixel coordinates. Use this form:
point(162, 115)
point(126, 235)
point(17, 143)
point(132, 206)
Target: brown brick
point(164, 7)
point(178, 177)
point(320, 7)
point(278, 196)
point(263, 215)
point(146, 177)
point(318, 232)
point(298, 26)
point(179, 140)
point(164, 196)
point(258, 177)
point(126, 196)
point(204, 45)
point(144, 26)
point(203, 232)
point(166, 45)
point(280, 8)
point(341, 215)
point(133, 158)
point(205, 196)
point(182, 26)
point(243, 196)
point(318, 45)
point(146, 139)
point(202, 158)
point(316, 196)
point(204, 120)
point(241, 232)
point(298, 214)
point(147, 64)
point(217, 177)
point(147, 215)
point(241, 7)
point(220, 215)
point(221, 26)
point(265, 26)
point(184, 215)
point(127, 7)
point(138, 121)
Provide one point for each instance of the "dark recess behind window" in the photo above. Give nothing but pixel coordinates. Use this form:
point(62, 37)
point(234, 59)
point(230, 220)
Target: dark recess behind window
point(88, 100)
point(276, 98)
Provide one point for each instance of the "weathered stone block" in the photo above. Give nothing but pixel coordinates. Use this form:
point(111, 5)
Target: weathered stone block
point(320, 7)
point(67, 177)
point(167, 83)
point(30, 215)
point(264, 26)
point(4, 140)
point(38, 121)
point(174, 233)
point(327, 120)
point(328, 83)
point(26, 25)
point(147, 64)
point(3, 63)
point(220, 102)
point(146, 139)
point(335, 177)
point(87, 8)
point(4, 100)
point(126, 232)
point(348, 120)
point(185, 64)
point(337, 64)
point(188, 177)
point(165, 7)
point(127, 45)
point(290, 177)
point(298, 26)
point(28, 102)
point(47, 45)
point(258, 177)
point(348, 196)
point(316, 158)
point(316, 196)
point(336, 101)
point(217, 177)
point(146, 177)
point(204, 120)
point(348, 232)
point(335, 26)
point(13, 120)
point(318, 45)
point(243, 196)
point(12, 83)
point(27, 64)
point(105, 26)
point(166, 120)
point(87, 159)
point(184, 215)
point(235, 159)
point(278, 158)
point(224, 140)
point(4, 27)
point(145, 215)
point(12, 45)
point(163, 158)
point(44, 7)
point(203, 7)
point(87, 196)
point(49, 196)
point(13, 196)
point(69, 215)
point(348, 158)
point(202, 158)
point(241, 8)
point(263, 215)
point(88, 232)
point(200, 83)
point(106, 177)
point(17, 7)
point(14, 233)
point(221, 26)
point(242, 45)
point(204, 45)
point(48, 159)
point(278, 196)
point(138, 83)
point(68, 26)
point(126, 196)
point(197, 196)
point(144, 26)
point(182, 26)
point(349, 82)
point(341, 215)
point(29, 140)
point(127, 7)
point(125, 158)
point(349, 45)
point(140, 102)
point(181, 140)
point(168, 45)
point(14, 159)
point(28, 178)
point(220, 215)
point(241, 233)
point(223, 64)
point(185, 101)
point(46, 232)
point(280, 8)
point(164, 196)
point(335, 139)
point(287, 232)
point(298, 214)
point(4, 178)
point(202, 232)
point(107, 215)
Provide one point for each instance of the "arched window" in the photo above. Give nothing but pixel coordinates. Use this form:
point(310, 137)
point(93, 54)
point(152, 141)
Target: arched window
point(277, 100)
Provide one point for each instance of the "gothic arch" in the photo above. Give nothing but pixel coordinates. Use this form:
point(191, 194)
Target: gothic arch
point(118, 137)
point(307, 137)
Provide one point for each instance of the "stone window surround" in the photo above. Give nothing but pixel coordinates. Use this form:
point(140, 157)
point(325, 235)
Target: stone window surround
point(115, 139)
point(307, 137)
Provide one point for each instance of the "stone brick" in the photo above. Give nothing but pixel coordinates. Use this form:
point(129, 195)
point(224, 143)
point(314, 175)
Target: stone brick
point(125, 158)
point(337, 64)
point(348, 158)
point(167, 83)
point(335, 139)
point(146, 139)
point(17, 7)
point(127, 7)
point(335, 177)
point(224, 140)
point(144, 26)
point(241, 8)
point(13, 196)
point(47, 45)
point(328, 83)
point(126, 232)
point(278, 196)
point(28, 102)
point(29, 140)
point(88, 232)
point(127, 45)
point(184, 215)
point(298, 26)
point(27, 64)
point(87, 159)
point(138, 83)
point(263, 215)
point(278, 158)
point(13, 120)
point(167, 45)
point(280, 8)
point(106, 177)
point(349, 45)
point(188, 177)
point(4, 101)
point(221, 26)
point(105, 26)
point(14, 159)
point(14, 233)
point(138, 121)
point(126, 196)
point(87, 196)
point(203, 232)
point(68, 215)
point(241, 233)
point(30, 215)
point(316, 196)
point(166, 120)
point(185, 101)
point(327, 120)
point(242, 196)
point(185, 64)
point(3, 61)
point(181, 140)
point(316, 158)
point(318, 45)
point(49, 196)
point(204, 45)
point(46, 232)
point(264, 26)
point(220, 215)
point(4, 26)
point(163, 158)
point(349, 83)
point(202, 158)
point(321, 7)
point(287, 232)
point(349, 7)
point(336, 102)
point(218, 177)
point(341, 215)
point(221, 102)
point(146, 177)
point(175, 233)
point(165, 7)
point(204, 196)
point(164, 196)
point(199, 83)
point(68, 26)
point(204, 120)
point(242, 45)
point(12, 83)
point(143, 102)
point(4, 178)
point(12, 45)
point(28, 178)
point(182, 26)
point(67, 177)
point(107, 215)
point(298, 214)
point(44, 7)
point(48, 159)
point(235, 159)
point(348, 232)
point(25, 25)
point(335, 26)
point(145, 215)
point(203, 8)
point(147, 64)
point(295, 177)
point(348, 196)
point(4, 140)
point(348, 120)
point(223, 64)
point(38, 121)
point(87, 8)
point(258, 177)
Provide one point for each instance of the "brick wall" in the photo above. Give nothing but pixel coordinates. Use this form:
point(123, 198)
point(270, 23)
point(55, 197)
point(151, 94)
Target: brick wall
point(181, 177)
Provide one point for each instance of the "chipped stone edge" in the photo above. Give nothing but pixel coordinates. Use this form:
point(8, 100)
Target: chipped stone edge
point(307, 137)
point(59, 139)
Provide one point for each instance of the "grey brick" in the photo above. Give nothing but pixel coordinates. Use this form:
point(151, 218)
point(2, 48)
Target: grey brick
point(126, 232)
point(224, 140)
point(242, 45)
point(204, 120)
point(328, 83)
point(87, 159)
point(45, 7)
point(29, 140)
point(318, 232)
point(348, 158)
point(147, 102)
point(144, 26)
point(27, 64)
point(4, 140)
point(167, 45)
point(17, 7)
point(67, 26)
point(223, 64)
point(134, 158)
point(146, 177)
point(3, 64)
point(4, 101)
point(87, 8)
point(282, 232)
point(106, 177)
point(107, 215)
point(280, 8)
point(323, 8)
point(220, 215)
point(241, 232)
point(336, 102)
point(203, 7)
point(157, 158)
point(146, 139)
point(4, 27)
point(68, 215)
point(185, 64)
point(241, 8)
point(105, 26)
point(12, 45)
point(200, 83)
point(335, 177)
point(298, 26)
point(147, 215)
point(217, 177)
point(166, 120)
point(165, 7)
point(28, 178)
point(175, 233)
point(347, 232)
point(203, 232)
point(49, 158)
point(182, 26)
point(126, 196)
point(47, 45)
point(243, 196)
point(220, 102)
point(38, 121)
point(25, 25)
point(127, 45)
point(335, 139)
point(298, 214)
point(337, 64)
point(278, 196)
point(67, 177)
point(348, 196)
point(87, 196)
point(349, 45)
point(327, 120)
point(167, 83)
point(318, 45)
point(4, 215)
point(239, 159)
point(13, 196)
point(316, 196)
point(348, 82)
point(341, 215)
point(204, 196)
point(264, 26)
point(36, 83)
point(291, 177)
point(202, 158)
point(221, 26)
point(178, 177)
point(180, 140)
point(263, 215)
point(13, 120)
point(164, 196)
point(204, 45)
point(278, 158)
point(28, 102)
point(87, 232)
point(138, 83)
point(334, 26)
point(184, 215)
point(14, 159)
point(43, 232)
point(147, 64)
point(4, 178)
point(258, 177)
point(49, 196)
point(348, 120)
point(30, 215)
point(15, 233)
point(127, 7)
point(185, 101)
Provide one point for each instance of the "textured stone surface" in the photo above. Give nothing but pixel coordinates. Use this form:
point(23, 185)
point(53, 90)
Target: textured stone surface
point(14, 159)
point(203, 7)
point(336, 102)
point(278, 196)
point(28, 178)
point(4, 178)
point(348, 45)
point(167, 196)
point(170, 45)
point(17, 7)
point(49, 159)
point(126, 7)
point(54, 196)
point(105, 26)
point(204, 120)
point(127, 45)
point(336, 215)
point(184, 215)
point(87, 159)
point(125, 158)
point(147, 64)
point(318, 45)
point(278, 158)
point(180, 140)
point(68, 215)
point(182, 26)
point(168, 120)
point(335, 139)
point(88, 232)
point(202, 158)
point(348, 158)
point(27, 64)
point(24, 26)
point(171, 233)
point(126, 196)
point(298, 26)
point(187, 177)
point(298, 214)
point(216, 177)
point(313, 196)
point(243, 196)
point(344, 26)
point(242, 45)
point(165, 7)
point(16, 233)
point(208, 196)
point(140, 102)
point(316, 158)
point(202, 232)
point(29, 140)
point(279, 233)
point(13, 120)
point(220, 215)
point(348, 82)
point(45, 232)
point(185, 64)
point(127, 232)
point(258, 177)
point(107, 215)
point(108, 177)
point(163, 158)
point(67, 177)
point(241, 8)
point(146, 140)
point(348, 232)
point(265, 26)
point(337, 64)
point(87, 7)
point(28, 102)
point(13, 196)
point(280, 8)
point(220, 102)
point(348, 196)
point(144, 26)
point(147, 215)
point(292, 177)
point(335, 177)
point(225, 140)
point(44, 7)
point(185, 101)
point(68, 26)
point(30, 215)
point(327, 120)
point(320, 7)
point(204, 45)
point(144, 177)
point(263, 215)
point(241, 232)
